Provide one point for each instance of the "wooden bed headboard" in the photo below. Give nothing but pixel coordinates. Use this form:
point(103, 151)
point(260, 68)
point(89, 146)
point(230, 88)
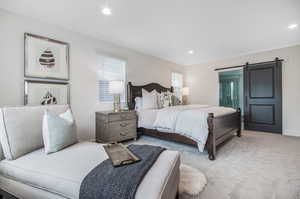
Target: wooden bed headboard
point(136, 91)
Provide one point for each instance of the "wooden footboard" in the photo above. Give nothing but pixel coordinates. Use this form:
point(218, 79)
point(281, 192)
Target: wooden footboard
point(6, 195)
point(220, 129)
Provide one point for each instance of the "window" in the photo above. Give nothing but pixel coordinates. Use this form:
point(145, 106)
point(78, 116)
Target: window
point(110, 69)
point(177, 83)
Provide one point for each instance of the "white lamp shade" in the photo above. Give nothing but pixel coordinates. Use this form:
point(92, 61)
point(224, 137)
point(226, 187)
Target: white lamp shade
point(116, 87)
point(185, 91)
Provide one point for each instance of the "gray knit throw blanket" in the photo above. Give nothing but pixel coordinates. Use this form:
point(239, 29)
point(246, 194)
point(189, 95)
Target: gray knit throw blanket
point(108, 182)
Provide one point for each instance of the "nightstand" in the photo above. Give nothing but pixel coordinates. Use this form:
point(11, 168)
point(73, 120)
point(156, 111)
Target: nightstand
point(115, 126)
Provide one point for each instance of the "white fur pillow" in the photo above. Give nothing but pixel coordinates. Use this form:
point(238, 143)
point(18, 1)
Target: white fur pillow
point(192, 181)
point(149, 99)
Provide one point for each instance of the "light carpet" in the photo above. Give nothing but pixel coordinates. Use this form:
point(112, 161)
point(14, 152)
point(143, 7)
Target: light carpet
point(255, 166)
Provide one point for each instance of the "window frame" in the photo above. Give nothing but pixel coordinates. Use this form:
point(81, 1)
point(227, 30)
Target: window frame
point(173, 74)
point(124, 96)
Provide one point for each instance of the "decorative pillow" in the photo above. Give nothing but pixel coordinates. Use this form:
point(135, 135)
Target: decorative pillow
point(21, 129)
point(176, 101)
point(138, 103)
point(165, 99)
point(59, 131)
point(149, 99)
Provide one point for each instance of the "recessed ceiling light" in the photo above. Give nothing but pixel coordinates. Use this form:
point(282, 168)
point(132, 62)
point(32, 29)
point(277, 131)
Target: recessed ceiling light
point(106, 11)
point(293, 26)
point(190, 52)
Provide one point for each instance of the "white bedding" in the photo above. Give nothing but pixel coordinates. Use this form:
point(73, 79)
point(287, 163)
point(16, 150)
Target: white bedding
point(187, 120)
point(147, 117)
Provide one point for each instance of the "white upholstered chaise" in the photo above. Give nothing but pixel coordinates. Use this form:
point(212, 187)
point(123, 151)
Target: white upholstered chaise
point(58, 175)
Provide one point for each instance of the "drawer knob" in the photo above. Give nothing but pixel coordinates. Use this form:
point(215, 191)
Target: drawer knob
point(123, 124)
point(123, 134)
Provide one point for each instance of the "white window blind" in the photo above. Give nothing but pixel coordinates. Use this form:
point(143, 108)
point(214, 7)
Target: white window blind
point(177, 83)
point(110, 69)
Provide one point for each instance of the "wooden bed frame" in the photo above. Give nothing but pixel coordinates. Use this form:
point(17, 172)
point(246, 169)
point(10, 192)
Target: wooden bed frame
point(6, 195)
point(220, 128)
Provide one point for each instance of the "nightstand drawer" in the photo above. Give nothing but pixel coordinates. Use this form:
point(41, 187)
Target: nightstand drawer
point(125, 127)
point(121, 116)
point(123, 136)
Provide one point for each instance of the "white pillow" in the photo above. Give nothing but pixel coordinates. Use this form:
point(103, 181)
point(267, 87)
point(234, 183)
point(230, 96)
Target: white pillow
point(21, 129)
point(138, 103)
point(59, 131)
point(149, 99)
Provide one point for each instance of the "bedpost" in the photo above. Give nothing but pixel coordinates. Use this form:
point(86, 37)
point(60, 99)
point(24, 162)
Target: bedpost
point(129, 95)
point(172, 89)
point(211, 136)
point(239, 131)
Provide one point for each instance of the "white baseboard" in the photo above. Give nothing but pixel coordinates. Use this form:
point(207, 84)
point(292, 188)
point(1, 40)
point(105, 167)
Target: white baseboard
point(291, 133)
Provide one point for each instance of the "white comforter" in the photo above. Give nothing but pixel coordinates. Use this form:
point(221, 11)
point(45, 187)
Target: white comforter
point(189, 120)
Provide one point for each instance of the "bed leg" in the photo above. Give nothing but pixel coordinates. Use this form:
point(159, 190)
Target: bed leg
point(212, 140)
point(212, 152)
point(211, 157)
point(239, 131)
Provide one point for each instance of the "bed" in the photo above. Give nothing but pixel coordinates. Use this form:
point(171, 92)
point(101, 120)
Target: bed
point(36, 175)
point(220, 127)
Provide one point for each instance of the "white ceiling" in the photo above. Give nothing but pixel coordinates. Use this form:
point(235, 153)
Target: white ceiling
point(213, 29)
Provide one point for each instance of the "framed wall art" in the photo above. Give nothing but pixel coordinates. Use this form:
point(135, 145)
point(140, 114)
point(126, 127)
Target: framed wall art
point(46, 93)
point(46, 58)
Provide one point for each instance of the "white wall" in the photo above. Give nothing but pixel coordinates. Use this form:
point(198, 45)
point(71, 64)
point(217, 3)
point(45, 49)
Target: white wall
point(204, 87)
point(141, 69)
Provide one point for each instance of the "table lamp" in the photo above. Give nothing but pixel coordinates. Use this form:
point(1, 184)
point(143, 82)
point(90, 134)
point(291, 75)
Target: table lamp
point(116, 88)
point(185, 94)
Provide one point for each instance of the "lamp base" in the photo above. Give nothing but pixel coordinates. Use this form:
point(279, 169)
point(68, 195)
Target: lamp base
point(184, 100)
point(117, 103)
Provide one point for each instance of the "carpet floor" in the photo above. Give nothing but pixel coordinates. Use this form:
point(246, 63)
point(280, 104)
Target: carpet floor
point(255, 166)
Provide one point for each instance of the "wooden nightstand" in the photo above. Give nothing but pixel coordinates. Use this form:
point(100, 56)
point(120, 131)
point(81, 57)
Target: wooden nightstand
point(115, 126)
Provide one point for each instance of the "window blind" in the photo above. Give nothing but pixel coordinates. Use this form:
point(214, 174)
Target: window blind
point(110, 69)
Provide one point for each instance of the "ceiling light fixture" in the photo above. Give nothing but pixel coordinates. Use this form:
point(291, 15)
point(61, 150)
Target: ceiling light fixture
point(106, 11)
point(190, 52)
point(292, 26)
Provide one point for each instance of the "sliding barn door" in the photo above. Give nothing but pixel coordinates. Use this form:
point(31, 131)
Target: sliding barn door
point(263, 97)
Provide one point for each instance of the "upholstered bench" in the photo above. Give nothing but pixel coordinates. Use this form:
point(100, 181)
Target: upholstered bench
point(192, 183)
